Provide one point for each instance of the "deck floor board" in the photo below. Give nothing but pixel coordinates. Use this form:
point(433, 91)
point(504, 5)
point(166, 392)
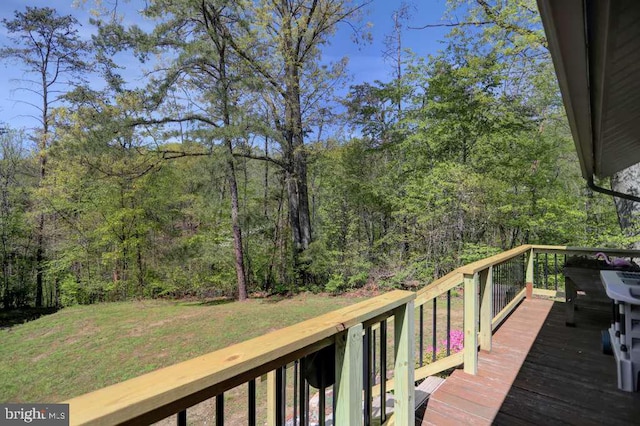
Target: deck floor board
point(539, 372)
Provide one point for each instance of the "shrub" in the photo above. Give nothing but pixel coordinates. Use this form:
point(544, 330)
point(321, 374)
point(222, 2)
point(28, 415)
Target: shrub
point(456, 338)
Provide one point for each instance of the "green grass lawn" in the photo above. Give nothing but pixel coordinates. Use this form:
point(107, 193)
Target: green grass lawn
point(84, 348)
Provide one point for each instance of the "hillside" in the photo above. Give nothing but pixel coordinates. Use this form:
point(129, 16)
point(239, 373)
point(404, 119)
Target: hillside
point(83, 348)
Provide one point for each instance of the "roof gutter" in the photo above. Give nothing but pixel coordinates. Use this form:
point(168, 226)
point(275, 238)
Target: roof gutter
point(617, 194)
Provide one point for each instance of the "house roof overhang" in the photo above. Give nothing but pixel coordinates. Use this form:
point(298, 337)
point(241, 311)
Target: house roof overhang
point(595, 47)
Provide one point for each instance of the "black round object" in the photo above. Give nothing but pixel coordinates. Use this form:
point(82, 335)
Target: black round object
point(606, 343)
point(320, 367)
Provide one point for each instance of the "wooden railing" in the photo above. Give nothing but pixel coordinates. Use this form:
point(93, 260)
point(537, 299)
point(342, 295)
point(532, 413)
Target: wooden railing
point(162, 393)
point(490, 290)
point(479, 298)
point(486, 304)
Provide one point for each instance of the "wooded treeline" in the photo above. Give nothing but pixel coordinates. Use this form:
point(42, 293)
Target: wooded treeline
point(239, 168)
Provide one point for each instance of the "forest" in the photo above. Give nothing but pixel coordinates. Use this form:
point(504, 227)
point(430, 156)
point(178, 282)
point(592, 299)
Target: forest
point(241, 168)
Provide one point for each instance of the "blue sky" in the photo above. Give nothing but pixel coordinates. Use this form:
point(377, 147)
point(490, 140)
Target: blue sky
point(366, 62)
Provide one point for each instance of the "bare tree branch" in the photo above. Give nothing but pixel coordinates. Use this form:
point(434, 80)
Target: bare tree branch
point(259, 157)
point(452, 24)
point(165, 120)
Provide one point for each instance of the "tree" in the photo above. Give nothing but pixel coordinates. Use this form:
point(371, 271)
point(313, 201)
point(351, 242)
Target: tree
point(15, 253)
point(281, 41)
point(514, 29)
point(48, 46)
point(201, 70)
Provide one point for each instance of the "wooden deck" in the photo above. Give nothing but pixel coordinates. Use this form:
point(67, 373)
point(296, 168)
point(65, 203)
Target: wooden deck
point(539, 372)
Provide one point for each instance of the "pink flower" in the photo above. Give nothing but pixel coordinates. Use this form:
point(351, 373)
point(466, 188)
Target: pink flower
point(456, 344)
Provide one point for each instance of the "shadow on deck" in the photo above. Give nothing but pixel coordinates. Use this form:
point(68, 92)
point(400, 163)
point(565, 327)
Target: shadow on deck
point(557, 375)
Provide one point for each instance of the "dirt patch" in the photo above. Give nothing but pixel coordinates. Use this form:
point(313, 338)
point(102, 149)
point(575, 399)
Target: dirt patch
point(86, 329)
point(141, 329)
point(371, 289)
point(40, 357)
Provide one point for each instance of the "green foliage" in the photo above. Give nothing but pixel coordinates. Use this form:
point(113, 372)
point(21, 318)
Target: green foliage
point(16, 243)
point(459, 156)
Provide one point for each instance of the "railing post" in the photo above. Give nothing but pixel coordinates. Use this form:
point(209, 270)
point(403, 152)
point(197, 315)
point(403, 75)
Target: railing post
point(529, 278)
point(471, 323)
point(271, 398)
point(486, 308)
point(348, 386)
point(404, 410)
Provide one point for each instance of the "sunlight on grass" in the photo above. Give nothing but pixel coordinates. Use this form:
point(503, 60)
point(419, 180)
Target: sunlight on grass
point(84, 348)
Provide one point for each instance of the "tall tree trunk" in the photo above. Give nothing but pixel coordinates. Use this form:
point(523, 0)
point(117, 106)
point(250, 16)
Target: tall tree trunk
point(296, 159)
point(297, 193)
point(40, 259)
point(266, 180)
point(6, 273)
point(235, 223)
point(231, 176)
point(628, 181)
point(140, 265)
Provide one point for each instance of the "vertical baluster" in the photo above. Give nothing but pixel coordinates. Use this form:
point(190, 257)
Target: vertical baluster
point(495, 290)
point(373, 359)
point(500, 289)
point(546, 271)
point(434, 340)
point(307, 395)
point(304, 398)
point(555, 260)
point(280, 395)
point(383, 371)
point(505, 267)
point(536, 273)
point(448, 322)
point(366, 374)
point(295, 392)
point(283, 401)
point(322, 403)
point(220, 410)
point(421, 333)
point(252, 402)
point(564, 263)
point(507, 283)
point(511, 281)
point(182, 418)
point(524, 271)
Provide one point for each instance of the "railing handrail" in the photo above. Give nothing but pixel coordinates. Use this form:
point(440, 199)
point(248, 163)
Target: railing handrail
point(456, 277)
point(494, 260)
point(158, 394)
point(585, 250)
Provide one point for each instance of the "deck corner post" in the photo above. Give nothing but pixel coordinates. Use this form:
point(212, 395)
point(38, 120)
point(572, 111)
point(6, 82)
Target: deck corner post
point(404, 401)
point(529, 277)
point(486, 308)
point(271, 398)
point(471, 312)
point(349, 380)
